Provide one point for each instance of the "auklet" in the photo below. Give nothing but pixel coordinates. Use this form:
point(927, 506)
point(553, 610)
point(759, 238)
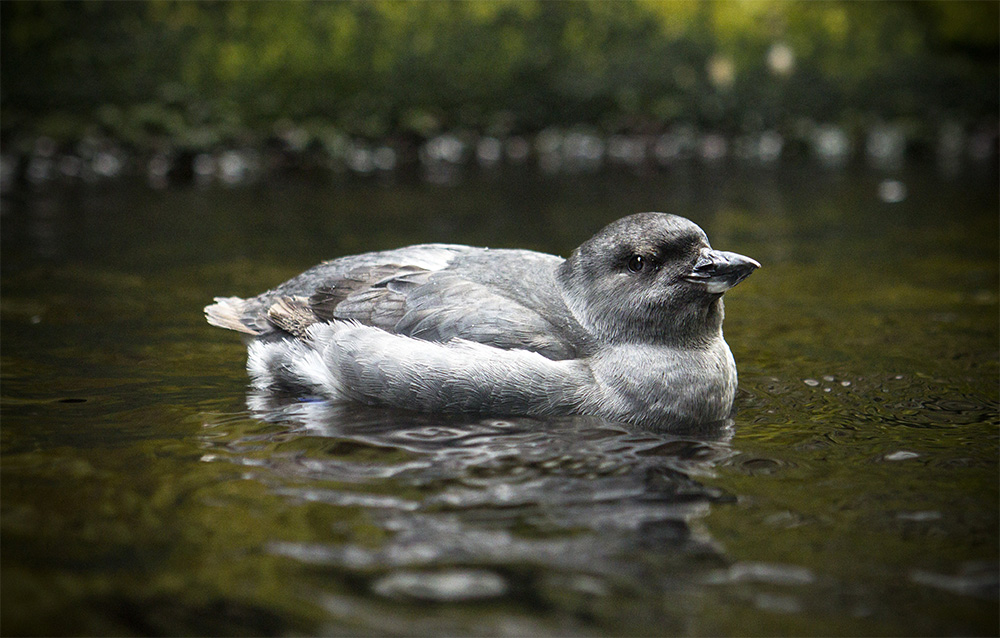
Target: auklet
point(628, 328)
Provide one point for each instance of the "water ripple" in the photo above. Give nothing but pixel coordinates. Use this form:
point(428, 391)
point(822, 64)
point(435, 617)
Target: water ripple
point(443, 586)
point(580, 495)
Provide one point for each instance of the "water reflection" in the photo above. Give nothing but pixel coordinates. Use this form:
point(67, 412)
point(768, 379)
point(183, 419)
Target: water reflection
point(446, 158)
point(462, 509)
point(864, 459)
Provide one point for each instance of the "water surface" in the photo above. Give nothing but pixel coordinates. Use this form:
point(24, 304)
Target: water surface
point(145, 490)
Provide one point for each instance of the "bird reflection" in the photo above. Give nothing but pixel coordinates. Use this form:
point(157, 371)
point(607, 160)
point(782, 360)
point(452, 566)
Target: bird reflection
point(517, 481)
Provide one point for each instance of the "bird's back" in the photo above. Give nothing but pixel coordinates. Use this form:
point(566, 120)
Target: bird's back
point(436, 292)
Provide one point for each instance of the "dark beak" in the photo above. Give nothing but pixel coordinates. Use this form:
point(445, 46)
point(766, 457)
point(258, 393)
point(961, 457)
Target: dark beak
point(719, 270)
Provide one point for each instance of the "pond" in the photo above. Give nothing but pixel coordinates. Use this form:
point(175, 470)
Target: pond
point(145, 490)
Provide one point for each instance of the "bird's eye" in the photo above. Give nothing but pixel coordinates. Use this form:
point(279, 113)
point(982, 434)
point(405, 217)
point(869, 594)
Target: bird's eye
point(636, 263)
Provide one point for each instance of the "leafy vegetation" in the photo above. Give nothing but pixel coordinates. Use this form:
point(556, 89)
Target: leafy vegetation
point(203, 74)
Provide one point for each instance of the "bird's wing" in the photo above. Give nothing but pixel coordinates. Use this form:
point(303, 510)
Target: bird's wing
point(429, 305)
point(254, 316)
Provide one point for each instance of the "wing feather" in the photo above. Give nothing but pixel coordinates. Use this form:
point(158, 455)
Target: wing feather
point(421, 298)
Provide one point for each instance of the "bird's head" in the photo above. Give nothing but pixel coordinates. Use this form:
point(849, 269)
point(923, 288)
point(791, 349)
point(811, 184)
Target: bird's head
point(651, 278)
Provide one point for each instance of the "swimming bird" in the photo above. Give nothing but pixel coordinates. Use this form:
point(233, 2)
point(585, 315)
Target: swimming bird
point(628, 328)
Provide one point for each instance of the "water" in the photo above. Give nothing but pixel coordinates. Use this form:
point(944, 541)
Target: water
point(855, 492)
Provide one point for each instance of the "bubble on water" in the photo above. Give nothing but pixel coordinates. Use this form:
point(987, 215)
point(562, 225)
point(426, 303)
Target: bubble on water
point(812, 383)
point(901, 455)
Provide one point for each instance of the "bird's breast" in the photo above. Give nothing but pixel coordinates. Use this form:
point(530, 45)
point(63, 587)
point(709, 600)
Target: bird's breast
point(666, 384)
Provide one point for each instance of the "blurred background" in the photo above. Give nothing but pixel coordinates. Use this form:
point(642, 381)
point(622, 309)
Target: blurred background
point(228, 90)
point(156, 154)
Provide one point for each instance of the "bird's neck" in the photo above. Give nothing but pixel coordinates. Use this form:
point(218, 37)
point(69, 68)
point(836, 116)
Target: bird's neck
point(691, 326)
point(699, 326)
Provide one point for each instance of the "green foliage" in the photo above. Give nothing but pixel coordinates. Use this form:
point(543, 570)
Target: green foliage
point(201, 73)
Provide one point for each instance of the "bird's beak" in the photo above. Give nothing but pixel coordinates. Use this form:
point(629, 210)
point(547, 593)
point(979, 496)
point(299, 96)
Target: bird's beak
point(719, 270)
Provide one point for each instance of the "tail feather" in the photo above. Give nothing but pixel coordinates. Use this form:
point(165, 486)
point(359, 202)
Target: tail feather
point(292, 366)
point(227, 312)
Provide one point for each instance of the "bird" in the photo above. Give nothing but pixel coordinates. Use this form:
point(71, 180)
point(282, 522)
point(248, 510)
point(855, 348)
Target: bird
point(627, 328)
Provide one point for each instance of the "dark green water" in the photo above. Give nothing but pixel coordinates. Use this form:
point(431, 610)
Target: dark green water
point(856, 493)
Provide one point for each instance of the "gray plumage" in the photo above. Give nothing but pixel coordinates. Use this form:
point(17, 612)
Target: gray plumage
point(628, 328)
